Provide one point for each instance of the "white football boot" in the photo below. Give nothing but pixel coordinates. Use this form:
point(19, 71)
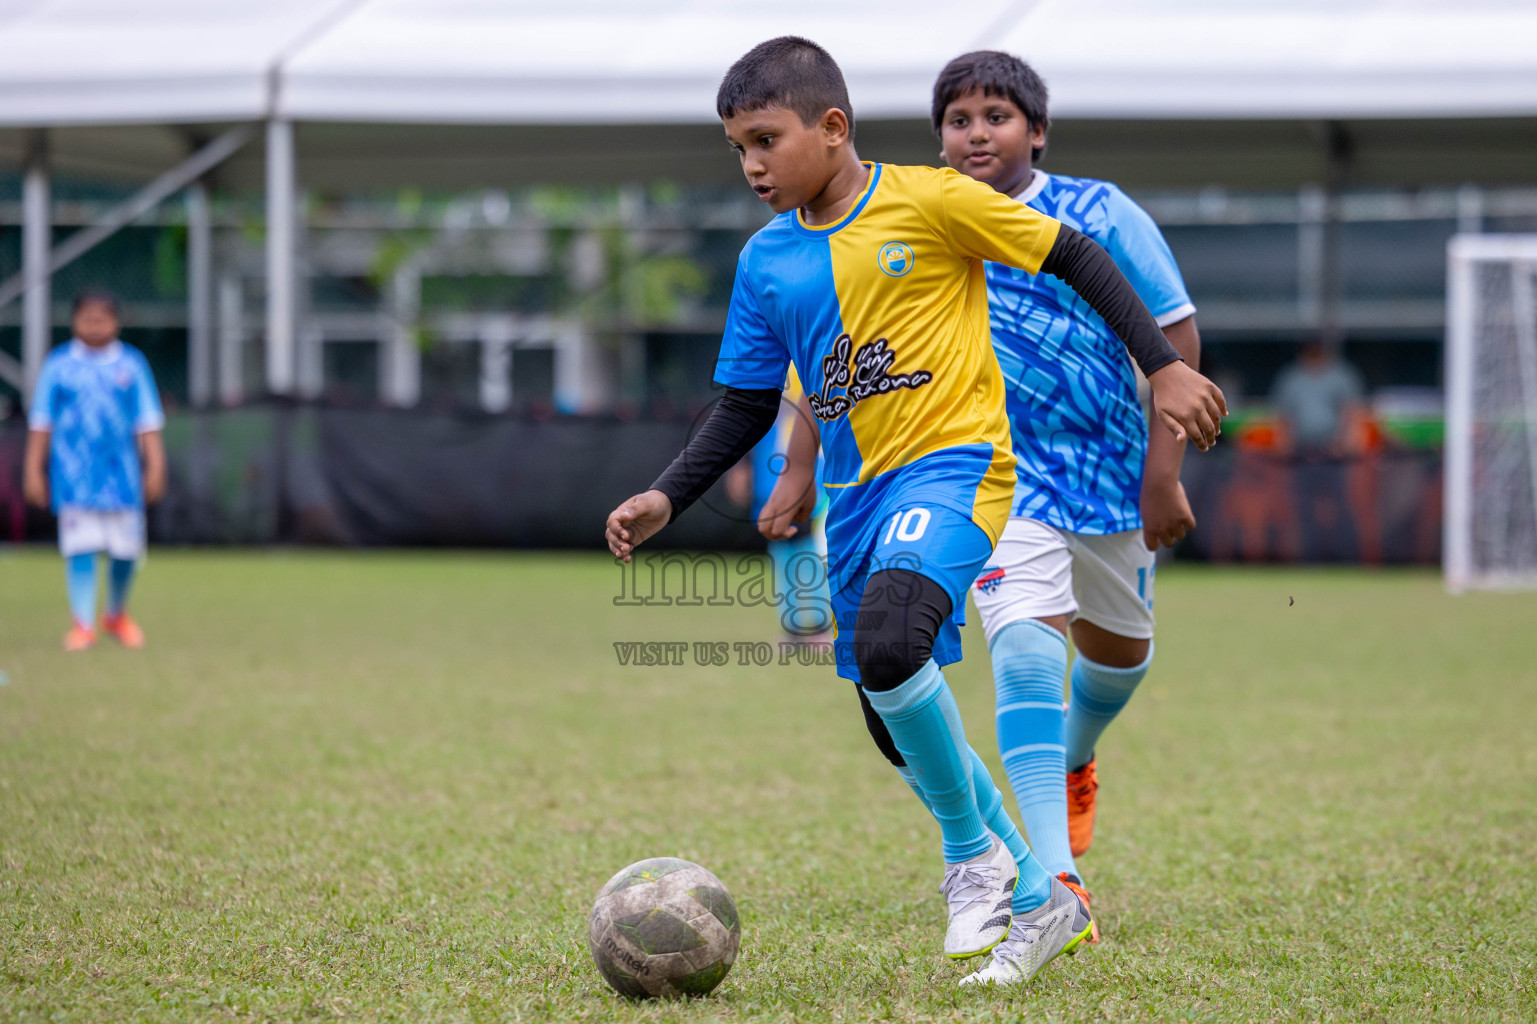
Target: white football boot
point(980, 892)
point(1060, 925)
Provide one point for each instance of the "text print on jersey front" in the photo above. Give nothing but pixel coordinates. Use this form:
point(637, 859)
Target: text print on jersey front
point(868, 374)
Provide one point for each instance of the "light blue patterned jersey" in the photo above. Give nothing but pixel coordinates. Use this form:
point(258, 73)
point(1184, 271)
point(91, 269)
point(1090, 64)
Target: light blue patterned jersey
point(96, 402)
point(1079, 432)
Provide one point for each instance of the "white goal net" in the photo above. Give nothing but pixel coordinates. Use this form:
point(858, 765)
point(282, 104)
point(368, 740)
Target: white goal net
point(1491, 412)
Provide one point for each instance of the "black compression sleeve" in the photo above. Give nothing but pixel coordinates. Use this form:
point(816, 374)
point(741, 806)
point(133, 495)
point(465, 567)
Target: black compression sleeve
point(1088, 270)
point(738, 421)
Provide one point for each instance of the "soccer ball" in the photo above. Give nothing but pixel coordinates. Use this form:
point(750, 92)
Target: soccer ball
point(664, 927)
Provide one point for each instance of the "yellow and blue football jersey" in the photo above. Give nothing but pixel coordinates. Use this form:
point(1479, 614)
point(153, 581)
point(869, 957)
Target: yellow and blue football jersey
point(885, 316)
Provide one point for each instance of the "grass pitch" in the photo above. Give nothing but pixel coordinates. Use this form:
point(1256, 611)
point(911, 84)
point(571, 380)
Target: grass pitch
point(387, 787)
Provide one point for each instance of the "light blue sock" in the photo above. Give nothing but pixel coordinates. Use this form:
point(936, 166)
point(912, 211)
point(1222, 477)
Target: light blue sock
point(80, 577)
point(119, 581)
point(1035, 883)
point(911, 778)
point(1029, 662)
point(923, 721)
point(989, 804)
point(1099, 694)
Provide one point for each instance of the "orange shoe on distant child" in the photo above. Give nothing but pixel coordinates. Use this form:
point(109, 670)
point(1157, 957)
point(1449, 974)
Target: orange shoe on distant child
point(79, 638)
point(1083, 894)
point(1082, 786)
point(124, 629)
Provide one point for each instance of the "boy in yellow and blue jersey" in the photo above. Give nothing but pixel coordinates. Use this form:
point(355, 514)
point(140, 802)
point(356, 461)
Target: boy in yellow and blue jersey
point(871, 281)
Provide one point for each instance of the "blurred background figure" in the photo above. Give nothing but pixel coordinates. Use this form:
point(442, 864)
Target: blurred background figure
point(1318, 399)
point(95, 457)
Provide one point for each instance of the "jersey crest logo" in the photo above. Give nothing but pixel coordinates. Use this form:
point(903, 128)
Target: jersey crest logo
point(991, 579)
point(867, 374)
point(895, 258)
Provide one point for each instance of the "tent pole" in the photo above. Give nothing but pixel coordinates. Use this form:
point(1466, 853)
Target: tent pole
point(400, 375)
point(1331, 326)
point(280, 257)
point(1312, 207)
point(36, 241)
point(199, 304)
point(231, 339)
point(496, 383)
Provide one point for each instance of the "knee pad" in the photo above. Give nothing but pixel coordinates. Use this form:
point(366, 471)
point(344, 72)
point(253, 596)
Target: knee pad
point(878, 731)
point(898, 620)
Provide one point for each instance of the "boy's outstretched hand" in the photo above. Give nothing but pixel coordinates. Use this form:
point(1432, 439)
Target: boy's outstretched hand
point(793, 500)
point(634, 521)
point(1166, 515)
point(1188, 404)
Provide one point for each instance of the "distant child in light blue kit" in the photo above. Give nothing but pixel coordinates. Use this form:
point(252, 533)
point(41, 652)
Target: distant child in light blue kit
point(95, 456)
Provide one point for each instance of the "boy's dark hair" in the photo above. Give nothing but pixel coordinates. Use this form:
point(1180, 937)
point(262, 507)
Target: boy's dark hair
point(789, 72)
point(997, 74)
point(96, 297)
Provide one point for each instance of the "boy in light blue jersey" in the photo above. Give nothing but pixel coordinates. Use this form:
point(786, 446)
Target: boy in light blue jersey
point(94, 455)
point(1096, 495)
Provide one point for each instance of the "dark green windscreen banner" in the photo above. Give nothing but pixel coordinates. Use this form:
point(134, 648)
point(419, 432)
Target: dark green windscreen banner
point(273, 474)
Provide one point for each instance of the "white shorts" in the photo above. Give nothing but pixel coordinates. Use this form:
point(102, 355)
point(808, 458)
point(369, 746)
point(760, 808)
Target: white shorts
point(119, 533)
point(1039, 571)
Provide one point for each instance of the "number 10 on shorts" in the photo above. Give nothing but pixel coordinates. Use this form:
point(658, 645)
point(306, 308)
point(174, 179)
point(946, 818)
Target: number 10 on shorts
point(907, 525)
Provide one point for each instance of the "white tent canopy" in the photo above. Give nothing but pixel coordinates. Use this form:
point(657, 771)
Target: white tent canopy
point(455, 92)
point(607, 61)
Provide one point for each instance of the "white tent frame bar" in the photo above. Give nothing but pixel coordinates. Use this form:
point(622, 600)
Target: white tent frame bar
point(199, 295)
point(39, 264)
point(34, 280)
point(282, 283)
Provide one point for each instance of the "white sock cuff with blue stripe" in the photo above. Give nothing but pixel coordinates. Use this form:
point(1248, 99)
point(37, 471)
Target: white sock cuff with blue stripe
point(1027, 627)
point(1112, 675)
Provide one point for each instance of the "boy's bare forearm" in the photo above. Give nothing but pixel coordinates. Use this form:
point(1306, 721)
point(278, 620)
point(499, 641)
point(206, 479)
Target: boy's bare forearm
point(805, 438)
point(34, 468)
point(1165, 452)
point(794, 496)
point(152, 451)
point(36, 458)
point(801, 449)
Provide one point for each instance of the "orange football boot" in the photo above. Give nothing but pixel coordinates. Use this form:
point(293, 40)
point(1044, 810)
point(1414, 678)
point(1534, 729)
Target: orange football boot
point(79, 638)
point(1083, 894)
point(124, 629)
point(1082, 785)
